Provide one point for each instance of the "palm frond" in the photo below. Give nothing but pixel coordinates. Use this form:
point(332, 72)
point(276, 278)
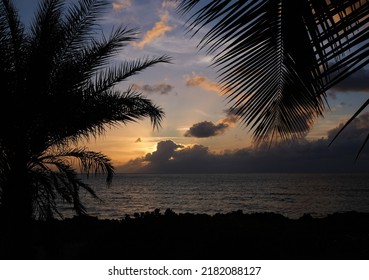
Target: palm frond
point(77, 30)
point(47, 18)
point(110, 77)
point(276, 59)
point(12, 38)
point(343, 38)
point(89, 161)
point(44, 42)
point(135, 107)
point(54, 178)
point(79, 23)
point(11, 27)
point(12, 55)
point(94, 56)
point(258, 60)
point(100, 111)
point(51, 187)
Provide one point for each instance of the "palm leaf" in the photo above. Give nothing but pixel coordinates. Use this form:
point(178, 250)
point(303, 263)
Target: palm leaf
point(11, 30)
point(79, 23)
point(89, 161)
point(108, 78)
point(85, 61)
point(276, 59)
point(65, 183)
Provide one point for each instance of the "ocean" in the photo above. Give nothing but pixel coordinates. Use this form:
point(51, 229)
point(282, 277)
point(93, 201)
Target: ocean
point(291, 195)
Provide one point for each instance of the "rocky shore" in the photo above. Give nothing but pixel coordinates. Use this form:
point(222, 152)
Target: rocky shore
point(168, 235)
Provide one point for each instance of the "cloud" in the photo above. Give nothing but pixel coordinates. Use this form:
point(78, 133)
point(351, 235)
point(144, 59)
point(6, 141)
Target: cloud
point(303, 156)
point(122, 4)
point(355, 132)
point(162, 88)
point(195, 80)
point(159, 30)
point(231, 118)
point(164, 151)
point(207, 129)
point(169, 4)
point(357, 82)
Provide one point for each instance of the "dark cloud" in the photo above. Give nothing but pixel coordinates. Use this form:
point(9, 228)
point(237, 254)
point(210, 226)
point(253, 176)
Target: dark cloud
point(354, 134)
point(303, 156)
point(207, 129)
point(162, 88)
point(164, 151)
point(357, 82)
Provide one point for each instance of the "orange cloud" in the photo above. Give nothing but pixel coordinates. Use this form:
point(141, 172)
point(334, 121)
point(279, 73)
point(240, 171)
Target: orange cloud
point(202, 82)
point(122, 4)
point(159, 30)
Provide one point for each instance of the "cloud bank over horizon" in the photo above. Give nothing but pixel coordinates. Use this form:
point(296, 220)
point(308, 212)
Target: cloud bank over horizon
point(302, 156)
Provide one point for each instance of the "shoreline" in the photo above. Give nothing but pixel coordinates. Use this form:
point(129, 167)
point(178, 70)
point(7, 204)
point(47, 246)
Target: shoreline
point(235, 235)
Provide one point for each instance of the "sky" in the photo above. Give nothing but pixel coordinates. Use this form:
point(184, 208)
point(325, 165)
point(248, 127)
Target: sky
point(198, 133)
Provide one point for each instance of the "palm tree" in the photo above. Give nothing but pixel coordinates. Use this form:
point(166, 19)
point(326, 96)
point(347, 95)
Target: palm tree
point(277, 58)
point(58, 87)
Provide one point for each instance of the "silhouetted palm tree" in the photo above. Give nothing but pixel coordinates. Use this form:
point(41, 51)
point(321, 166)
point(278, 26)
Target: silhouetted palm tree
point(277, 58)
point(57, 87)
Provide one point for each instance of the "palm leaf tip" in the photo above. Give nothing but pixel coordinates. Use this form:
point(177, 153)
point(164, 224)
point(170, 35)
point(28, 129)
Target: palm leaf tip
point(136, 107)
point(94, 162)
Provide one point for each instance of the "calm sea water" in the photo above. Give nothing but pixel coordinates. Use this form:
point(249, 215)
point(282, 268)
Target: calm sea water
point(289, 194)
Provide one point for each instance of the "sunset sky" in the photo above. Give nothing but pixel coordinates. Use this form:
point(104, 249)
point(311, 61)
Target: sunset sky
point(198, 134)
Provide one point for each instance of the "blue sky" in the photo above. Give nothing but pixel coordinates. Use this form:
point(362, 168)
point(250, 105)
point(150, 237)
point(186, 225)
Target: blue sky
point(197, 127)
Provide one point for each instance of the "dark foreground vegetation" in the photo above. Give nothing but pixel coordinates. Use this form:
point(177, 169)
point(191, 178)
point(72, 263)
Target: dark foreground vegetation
point(193, 236)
